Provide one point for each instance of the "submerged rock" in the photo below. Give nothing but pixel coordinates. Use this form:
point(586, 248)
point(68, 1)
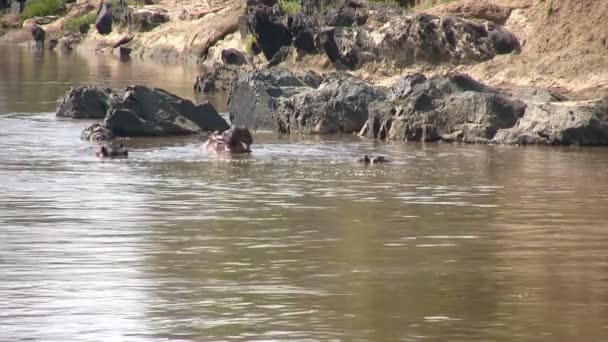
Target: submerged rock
point(138, 111)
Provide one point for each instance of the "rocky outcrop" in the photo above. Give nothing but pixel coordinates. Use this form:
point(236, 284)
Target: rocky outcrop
point(138, 111)
point(254, 95)
point(144, 111)
point(340, 105)
point(451, 108)
point(560, 123)
point(353, 32)
point(302, 102)
point(88, 102)
point(456, 108)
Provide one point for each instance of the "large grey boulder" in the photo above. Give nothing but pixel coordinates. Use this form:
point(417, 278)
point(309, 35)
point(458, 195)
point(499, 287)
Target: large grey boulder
point(456, 108)
point(88, 102)
point(301, 102)
point(138, 111)
point(147, 111)
point(254, 95)
point(340, 105)
point(451, 108)
point(560, 123)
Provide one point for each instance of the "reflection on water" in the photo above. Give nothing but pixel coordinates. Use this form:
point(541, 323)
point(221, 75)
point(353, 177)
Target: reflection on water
point(32, 83)
point(296, 241)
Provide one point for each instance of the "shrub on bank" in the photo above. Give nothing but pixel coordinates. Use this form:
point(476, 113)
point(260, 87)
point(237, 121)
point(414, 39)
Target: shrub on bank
point(249, 41)
point(74, 24)
point(40, 8)
point(290, 7)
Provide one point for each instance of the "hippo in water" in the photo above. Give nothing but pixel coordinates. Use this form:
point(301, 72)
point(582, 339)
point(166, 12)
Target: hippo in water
point(108, 151)
point(373, 160)
point(234, 140)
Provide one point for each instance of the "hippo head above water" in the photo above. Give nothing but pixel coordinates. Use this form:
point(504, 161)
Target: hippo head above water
point(108, 151)
point(234, 140)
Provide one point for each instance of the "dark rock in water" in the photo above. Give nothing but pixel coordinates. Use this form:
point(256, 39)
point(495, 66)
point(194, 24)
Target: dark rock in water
point(89, 102)
point(215, 80)
point(103, 21)
point(456, 108)
point(303, 102)
point(452, 108)
point(122, 52)
point(144, 111)
point(559, 123)
point(339, 105)
point(112, 152)
point(38, 34)
point(233, 56)
point(254, 95)
point(97, 132)
point(138, 111)
point(373, 160)
point(53, 44)
point(67, 43)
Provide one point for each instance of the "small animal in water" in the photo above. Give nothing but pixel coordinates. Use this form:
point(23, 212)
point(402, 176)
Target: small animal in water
point(373, 160)
point(109, 152)
point(234, 140)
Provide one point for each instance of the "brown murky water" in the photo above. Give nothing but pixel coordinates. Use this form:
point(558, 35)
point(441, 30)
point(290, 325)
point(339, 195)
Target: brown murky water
point(296, 242)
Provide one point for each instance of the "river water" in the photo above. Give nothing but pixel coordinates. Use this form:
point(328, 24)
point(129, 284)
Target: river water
point(296, 242)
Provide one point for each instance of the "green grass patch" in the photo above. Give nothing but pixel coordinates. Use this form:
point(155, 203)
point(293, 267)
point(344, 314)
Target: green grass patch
point(40, 8)
point(290, 7)
point(249, 41)
point(73, 24)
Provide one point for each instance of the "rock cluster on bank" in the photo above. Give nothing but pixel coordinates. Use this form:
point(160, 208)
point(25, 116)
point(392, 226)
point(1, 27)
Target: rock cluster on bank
point(137, 111)
point(353, 32)
point(451, 108)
